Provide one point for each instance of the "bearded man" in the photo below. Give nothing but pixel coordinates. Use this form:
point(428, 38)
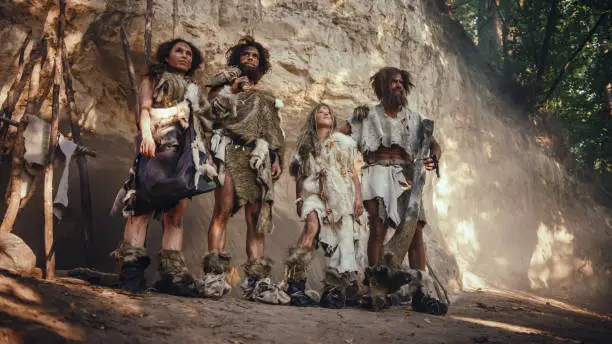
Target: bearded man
point(248, 149)
point(326, 171)
point(389, 135)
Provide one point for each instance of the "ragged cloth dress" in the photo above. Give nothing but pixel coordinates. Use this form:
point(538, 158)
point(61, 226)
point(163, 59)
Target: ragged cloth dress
point(340, 231)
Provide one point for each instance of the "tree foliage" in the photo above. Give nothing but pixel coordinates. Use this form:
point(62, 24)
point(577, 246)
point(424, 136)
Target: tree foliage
point(559, 52)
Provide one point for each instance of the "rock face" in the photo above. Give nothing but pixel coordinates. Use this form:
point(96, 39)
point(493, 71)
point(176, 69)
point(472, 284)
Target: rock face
point(15, 255)
point(503, 211)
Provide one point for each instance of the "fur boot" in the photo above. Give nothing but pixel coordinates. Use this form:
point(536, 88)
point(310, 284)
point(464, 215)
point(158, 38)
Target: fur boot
point(132, 262)
point(258, 286)
point(175, 279)
point(216, 266)
point(390, 285)
point(334, 292)
point(296, 267)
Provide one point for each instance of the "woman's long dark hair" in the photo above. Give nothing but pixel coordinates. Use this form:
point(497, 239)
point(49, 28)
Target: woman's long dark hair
point(160, 66)
point(308, 142)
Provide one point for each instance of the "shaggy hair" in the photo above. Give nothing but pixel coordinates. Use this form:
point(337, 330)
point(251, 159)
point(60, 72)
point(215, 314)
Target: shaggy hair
point(155, 70)
point(381, 84)
point(233, 57)
point(308, 142)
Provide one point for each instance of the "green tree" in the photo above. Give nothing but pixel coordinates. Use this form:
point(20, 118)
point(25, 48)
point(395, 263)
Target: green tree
point(559, 52)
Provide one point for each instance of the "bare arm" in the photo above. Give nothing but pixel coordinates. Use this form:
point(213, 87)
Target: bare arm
point(147, 146)
point(434, 149)
point(145, 98)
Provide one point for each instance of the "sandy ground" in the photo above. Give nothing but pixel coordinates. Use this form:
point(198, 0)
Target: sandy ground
point(69, 310)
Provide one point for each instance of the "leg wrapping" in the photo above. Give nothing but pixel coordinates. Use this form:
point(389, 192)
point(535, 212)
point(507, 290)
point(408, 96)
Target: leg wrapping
point(217, 267)
point(132, 261)
point(296, 265)
point(175, 278)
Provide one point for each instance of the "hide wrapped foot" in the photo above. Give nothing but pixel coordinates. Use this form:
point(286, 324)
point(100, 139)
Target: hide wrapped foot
point(175, 279)
point(333, 297)
point(334, 292)
point(216, 266)
point(423, 303)
point(296, 266)
point(258, 285)
point(300, 297)
point(382, 281)
point(353, 294)
point(132, 262)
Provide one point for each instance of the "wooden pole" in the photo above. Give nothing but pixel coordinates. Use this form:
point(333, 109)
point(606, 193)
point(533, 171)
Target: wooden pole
point(147, 34)
point(14, 196)
point(81, 161)
point(14, 93)
point(175, 19)
point(131, 74)
point(48, 191)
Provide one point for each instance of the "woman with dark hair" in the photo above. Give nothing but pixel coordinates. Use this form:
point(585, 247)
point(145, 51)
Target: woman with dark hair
point(326, 171)
point(171, 165)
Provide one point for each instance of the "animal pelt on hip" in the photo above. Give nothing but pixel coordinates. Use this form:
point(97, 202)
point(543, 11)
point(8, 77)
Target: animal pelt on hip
point(250, 116)
point(244, 178)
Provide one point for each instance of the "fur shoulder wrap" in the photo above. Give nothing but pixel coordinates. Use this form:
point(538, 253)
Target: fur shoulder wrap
point(377, 128)
point(224, 77)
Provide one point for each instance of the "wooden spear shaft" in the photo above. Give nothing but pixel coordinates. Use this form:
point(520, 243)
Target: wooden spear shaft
point(131, 74)
point(14, 93)
point(81, 161)
point(175, 19)
point(147, 34)
point(48, 191)
point(14, 196)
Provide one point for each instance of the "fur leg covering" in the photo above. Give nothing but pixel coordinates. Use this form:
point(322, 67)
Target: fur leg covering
point(389, 282)
point(258, 285)
point(296, 267)
point(334, 293)
point(216, 266)
point(132, 261)
point(175, 279)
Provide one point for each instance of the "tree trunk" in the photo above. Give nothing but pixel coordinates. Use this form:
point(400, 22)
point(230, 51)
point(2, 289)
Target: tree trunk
point(542, 62)
point(147, 33)
point(609, 97)
point(81, 161)
point(131, 76)
point(489, 30)
point(48, 186)
point(14, 199)
point(175, 19)
point(14, 93)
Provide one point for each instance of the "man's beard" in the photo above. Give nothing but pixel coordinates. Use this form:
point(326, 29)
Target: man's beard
point(253, 73)
point(394, 100)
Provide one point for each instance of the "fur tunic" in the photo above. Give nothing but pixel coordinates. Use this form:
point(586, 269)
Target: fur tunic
point(251, 128)
point(378, 129)
point(390, 183)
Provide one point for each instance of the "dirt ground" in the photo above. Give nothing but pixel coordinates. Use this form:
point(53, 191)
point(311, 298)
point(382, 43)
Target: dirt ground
point(69, 310)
